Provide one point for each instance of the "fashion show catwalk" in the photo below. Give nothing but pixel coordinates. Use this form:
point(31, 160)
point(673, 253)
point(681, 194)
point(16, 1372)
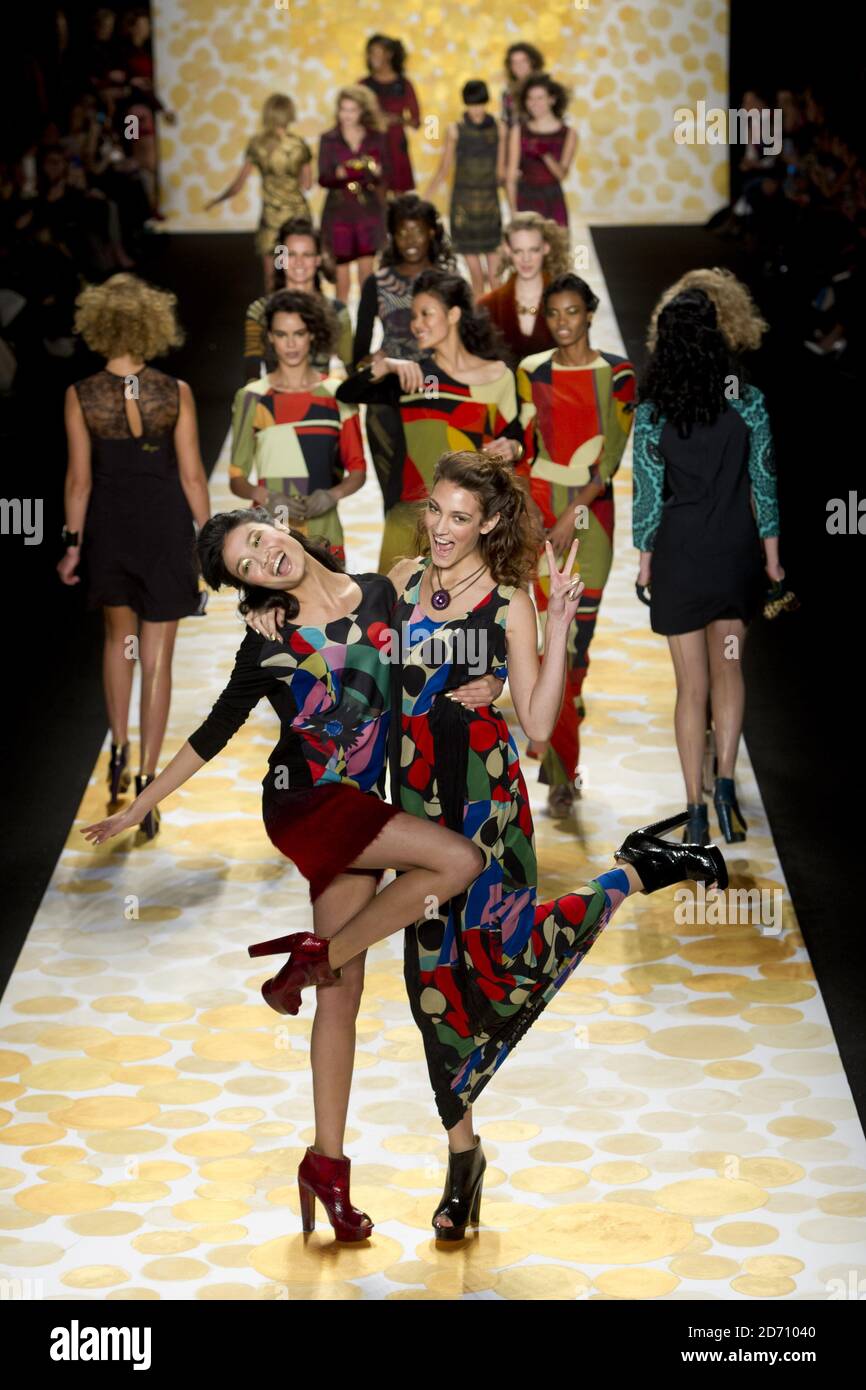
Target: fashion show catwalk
point(677, 1125)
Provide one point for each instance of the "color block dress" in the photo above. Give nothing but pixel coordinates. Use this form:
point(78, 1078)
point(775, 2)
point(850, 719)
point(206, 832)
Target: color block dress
point(580, 419)
point(323, 794)
point(481, 968)
point(296, 442)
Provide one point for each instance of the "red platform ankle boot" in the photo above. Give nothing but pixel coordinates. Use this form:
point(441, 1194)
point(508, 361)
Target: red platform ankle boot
point(328, 1179)
point(307, 965)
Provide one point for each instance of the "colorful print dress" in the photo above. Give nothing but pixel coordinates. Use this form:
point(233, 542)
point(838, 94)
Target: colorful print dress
point(481, 969)
point(579, 419)
point(323, 794)
point(296, 442)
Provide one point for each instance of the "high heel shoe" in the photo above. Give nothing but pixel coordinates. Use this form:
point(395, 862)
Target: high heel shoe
point(150, 824)
point(661, 863)
point(731, 821)
point(697, 831)
point(328, 1179)
point(307, 965)
point(119, 776)
point(461, 1198)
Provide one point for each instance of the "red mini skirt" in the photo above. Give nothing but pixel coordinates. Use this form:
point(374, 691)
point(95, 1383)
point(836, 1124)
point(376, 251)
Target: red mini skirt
point(324, 829)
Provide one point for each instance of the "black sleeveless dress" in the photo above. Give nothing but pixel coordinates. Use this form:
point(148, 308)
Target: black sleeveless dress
point(137, 547)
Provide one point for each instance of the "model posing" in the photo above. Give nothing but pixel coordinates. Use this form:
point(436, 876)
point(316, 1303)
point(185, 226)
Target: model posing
point(387, 80)
point(475, 151)
point(351, 158)
point(541, 147)
point(288, 427)
point(578, 404)
point(459, 384)
point(284, 161)
point(134, 485)
point(481, 967)
point(702, 456)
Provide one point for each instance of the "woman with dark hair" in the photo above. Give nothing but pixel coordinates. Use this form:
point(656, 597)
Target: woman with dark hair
point(475, 150)
point(522, 60)
point(481, 967)
point(134, 486)
point(288, 428)
point(386, 79)
point(577, 403)
point(706, 523)
point(298, 256)
point(536, 251)
point(284, 161)
point(323, 800)
point(459, 384)
point(351, 168)
point(541, 147)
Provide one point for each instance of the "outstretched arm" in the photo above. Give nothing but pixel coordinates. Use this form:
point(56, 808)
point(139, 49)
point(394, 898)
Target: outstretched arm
point(234, 187)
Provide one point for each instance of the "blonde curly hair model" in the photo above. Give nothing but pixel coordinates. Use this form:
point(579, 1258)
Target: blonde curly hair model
point(126, 315)
point(739, 318)
point(558, 259)
point(371, 112)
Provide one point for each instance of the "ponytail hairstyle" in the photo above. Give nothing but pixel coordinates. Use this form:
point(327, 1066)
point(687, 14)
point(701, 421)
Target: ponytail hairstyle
point(558, 259)
point(685, 377)
point(477, 333)
point(302, 226)
point(209, 549)
point(511, 549)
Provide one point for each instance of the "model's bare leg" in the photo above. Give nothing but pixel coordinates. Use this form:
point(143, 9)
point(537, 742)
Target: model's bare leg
point(365, 269)
point(118, 663)
point(343, 282)
point(725, 639)
point(332, 1042)
point(157, 649)
point(476, 274)
point(689, 655)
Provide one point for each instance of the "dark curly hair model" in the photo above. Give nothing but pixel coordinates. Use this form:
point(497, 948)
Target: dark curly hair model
point(511, 549)
point(318, 318)
point(570, 283)
point(685, 377)
point(534, 56)
point(409, 207)
point(393, 47)
point(558, 94)
point(477, 333)
point(209, 550)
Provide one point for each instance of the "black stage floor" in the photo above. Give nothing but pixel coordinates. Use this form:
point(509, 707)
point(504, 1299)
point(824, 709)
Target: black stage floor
point(801, 721)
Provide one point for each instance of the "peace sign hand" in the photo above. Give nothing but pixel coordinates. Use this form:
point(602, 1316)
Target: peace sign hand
point(565, 588)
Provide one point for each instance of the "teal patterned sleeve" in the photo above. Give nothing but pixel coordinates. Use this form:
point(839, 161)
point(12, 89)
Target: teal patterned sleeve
point(648, 473)
point(762, 463)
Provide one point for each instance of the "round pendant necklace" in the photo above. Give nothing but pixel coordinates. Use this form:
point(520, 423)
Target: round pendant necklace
point(528, 308)
point(442, 597)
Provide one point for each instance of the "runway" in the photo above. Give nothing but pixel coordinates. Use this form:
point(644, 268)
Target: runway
point(677, 1125)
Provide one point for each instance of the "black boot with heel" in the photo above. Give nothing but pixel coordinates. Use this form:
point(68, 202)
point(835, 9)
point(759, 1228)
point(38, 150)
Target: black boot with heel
point(150, 824)
point(731, 821)
point(660, 863)
point(119, 775)
point(461, 1198)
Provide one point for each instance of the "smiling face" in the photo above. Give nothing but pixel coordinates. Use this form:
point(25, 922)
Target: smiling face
point(520, 65)
point(267, 556)
point(538, 103)
point(302, 262)
point(567, 318)
point(528, 250)
point(412, 238)
point(290, 338)
point(431, 321)
point(378, 57)
point(454, 522)
point(349, 111)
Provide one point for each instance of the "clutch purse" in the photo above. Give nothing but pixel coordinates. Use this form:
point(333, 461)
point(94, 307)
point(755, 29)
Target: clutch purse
point(779, 599)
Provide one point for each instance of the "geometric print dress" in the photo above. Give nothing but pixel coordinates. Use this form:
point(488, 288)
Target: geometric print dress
point(481, 968)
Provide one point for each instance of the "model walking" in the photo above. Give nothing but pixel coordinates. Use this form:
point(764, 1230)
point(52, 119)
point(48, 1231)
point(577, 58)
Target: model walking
point(134, 485)
point(387, 80)
point(284, 161)
point(303, 445)
point(537, 250)
point(351, 164)
point(298, 253)
point(541, 147)
point(459, 385)
point(702, 458)
point(322, 798)
point(475, 151)
point(578, 404)
point(522, 60)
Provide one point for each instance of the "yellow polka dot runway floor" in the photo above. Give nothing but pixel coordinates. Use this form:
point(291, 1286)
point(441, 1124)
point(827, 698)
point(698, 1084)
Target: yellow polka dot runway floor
point(677, 1125)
